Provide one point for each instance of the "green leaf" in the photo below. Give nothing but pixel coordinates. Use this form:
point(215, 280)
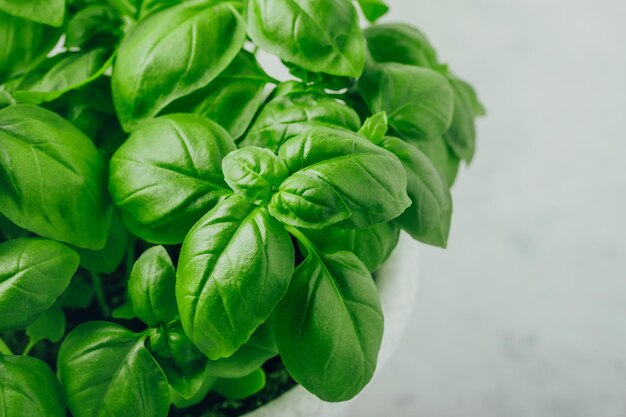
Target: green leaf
point(207, 385)
point(33, 274)
point(49, 326)
point(329, 326)
point(48, 12)
point(233, 98)
point(251, 355)
point(461, 136)
point(152, 285)
point(401, 43)
point(233, 269)
point(25, 44)
point(171, 53)
point(291, 114)
point(429, 216)
point(52, 178)
point(91, 24)
point(322, 189)
point(240, 388)
point(372, 245)
point(70, 72)
point(407, 45)
point(29, 388)
point(78, 294)
point(373, 9)
point(4, 348)
point(419, 102)
point(442, 157)
point(183, 364)
point(109, 258)
point(106, 370)
point(254, 173)
point(9, 231)
point(168, 174)
point(375, 127)
point(124, 311)
point(318, 35)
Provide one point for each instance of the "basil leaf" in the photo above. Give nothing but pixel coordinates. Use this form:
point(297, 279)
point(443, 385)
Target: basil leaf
point(106, 370)
point(292, 114)
point(33, 274)
point(151, 287)
point(442, 157)
point(172, 53)
point(419, 102)
point(373, 9)
point(240, 388)
point(168, 174)
point(77, 295)
point(329, 326)
point(52, 178)
point(375, 127)
point(250, 356)
point(124, 311)
point(183, 364)
point(49, 326)
point(401, 43)
point(92, 24)
point(24, 45)
point(233, 269)
point(254, 173)
point(29, 388)
point(9, 231)
point(318, 35)
point(233, 98)
point(321, 189)
point(461, 136)
point(109, 258)
point(428, 219)
point(72, 71)
point(372, 245)
point(48, 12)
point(407, 45)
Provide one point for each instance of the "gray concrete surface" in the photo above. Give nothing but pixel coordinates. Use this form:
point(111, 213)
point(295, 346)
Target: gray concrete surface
point(525, 314)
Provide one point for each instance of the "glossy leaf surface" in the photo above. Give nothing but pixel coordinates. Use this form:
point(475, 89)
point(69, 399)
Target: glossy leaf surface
point(33, 274)
point(318, 35)
point(152, 285)
point(106, 370)
point(321, 189)
point(171, 53)
point(168, 174)
point(234, 267)
point(29, 388)
point(329, 326)
point(52, 178)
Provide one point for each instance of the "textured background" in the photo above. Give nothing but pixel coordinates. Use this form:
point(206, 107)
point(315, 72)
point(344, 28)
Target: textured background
point(525, 313)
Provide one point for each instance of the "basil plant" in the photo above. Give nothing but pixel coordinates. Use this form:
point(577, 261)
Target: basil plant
point(182, 232)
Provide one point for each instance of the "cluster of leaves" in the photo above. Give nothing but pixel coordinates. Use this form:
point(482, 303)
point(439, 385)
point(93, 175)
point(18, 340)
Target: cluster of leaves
point(153, 126)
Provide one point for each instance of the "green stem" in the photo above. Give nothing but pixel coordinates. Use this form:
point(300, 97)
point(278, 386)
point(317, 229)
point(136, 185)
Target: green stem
point(4, 349)
point(28, 348)
point(302, 239)
point(96, 281)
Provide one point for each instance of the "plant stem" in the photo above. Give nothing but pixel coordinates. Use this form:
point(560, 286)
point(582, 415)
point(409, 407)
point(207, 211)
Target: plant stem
point(96, 281)
point(28, 348)
point(302, 239)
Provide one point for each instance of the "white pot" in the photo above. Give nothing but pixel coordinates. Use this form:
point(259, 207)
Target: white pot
point(397, 283)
